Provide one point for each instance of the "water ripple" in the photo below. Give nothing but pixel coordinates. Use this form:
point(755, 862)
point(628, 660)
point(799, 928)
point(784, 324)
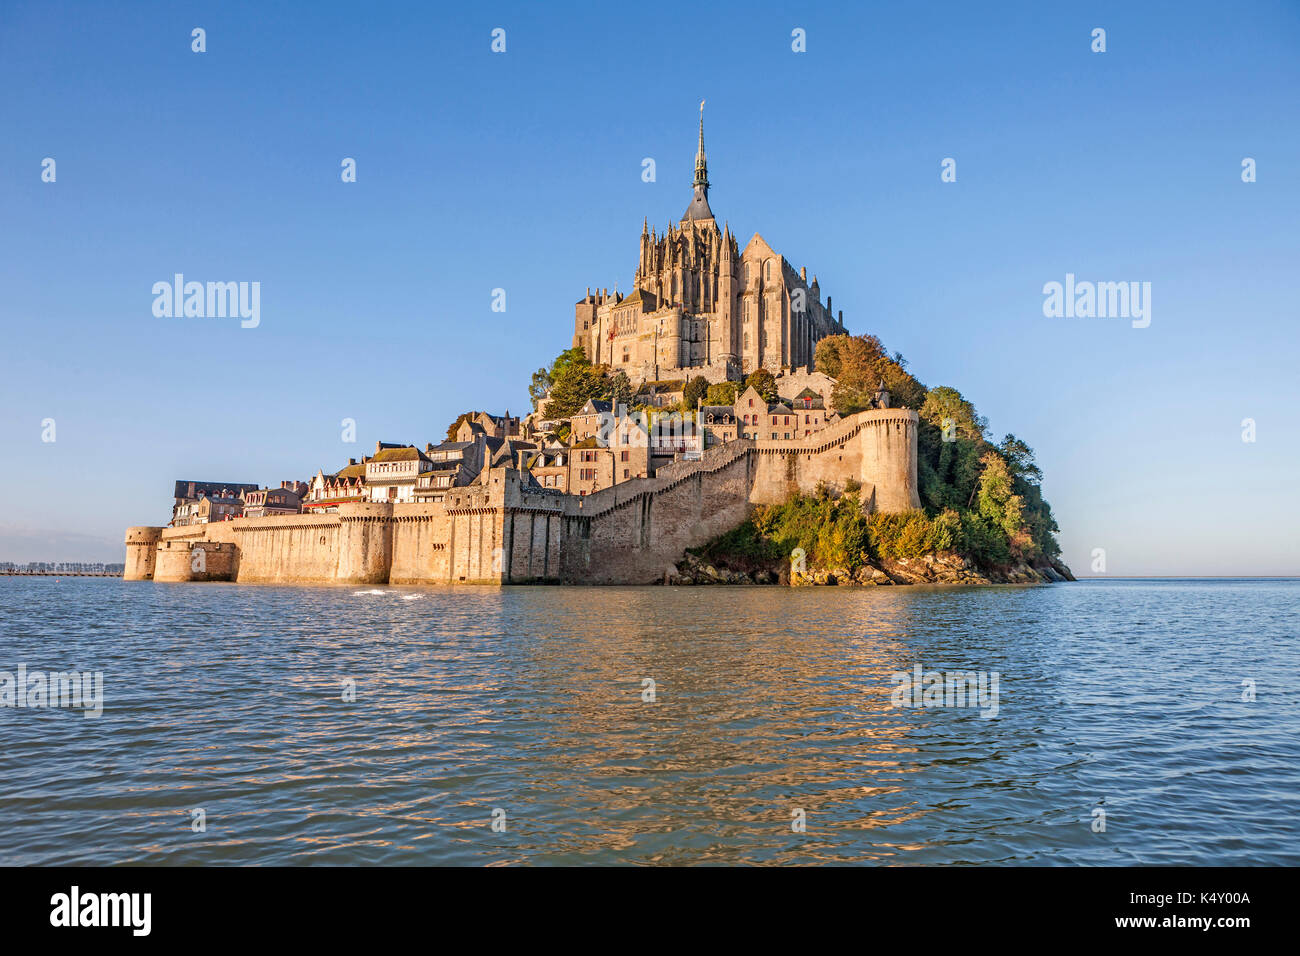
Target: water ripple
point(770, 702)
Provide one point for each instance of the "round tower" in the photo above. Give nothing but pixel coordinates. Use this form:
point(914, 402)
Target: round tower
point(141, 551)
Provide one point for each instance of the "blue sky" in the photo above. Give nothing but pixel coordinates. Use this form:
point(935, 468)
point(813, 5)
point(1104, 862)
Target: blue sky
point(522, 171)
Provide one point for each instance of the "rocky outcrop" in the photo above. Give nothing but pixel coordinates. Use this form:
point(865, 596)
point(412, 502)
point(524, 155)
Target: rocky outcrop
point(943, 568)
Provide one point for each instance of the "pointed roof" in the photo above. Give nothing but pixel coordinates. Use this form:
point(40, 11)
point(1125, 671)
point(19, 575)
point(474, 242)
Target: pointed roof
point(699, 207)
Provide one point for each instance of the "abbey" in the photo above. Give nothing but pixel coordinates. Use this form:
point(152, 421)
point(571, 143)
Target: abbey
point(594, 495)
point(700, 305)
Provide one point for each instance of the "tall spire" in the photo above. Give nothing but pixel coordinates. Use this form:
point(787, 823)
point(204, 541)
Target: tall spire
point(701, 163)
point(699, 207)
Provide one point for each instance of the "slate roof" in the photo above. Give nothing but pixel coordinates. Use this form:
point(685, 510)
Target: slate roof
point(699, 207)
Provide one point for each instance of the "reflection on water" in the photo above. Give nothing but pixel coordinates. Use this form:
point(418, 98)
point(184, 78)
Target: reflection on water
point(529, 700)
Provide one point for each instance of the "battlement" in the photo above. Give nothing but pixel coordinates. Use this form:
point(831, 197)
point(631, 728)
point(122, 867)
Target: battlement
point(502, 530)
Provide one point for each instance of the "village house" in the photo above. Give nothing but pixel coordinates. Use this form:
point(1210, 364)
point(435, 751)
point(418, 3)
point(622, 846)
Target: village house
point(591, 467)
point(491, 426)
point(188, 493)
point(213, 509)
point(800, 417)
point(185, 513)
point(629, 444)
point(587, 422)
point(265, 502)
point(326, 492)
point(719, 423)
point(810, 412)
point(751, 409)
point(392, 472)
point(548, 465)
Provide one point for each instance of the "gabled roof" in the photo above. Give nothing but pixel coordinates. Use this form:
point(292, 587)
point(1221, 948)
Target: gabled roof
point(759, 247)
point(407, 453)
point(642, 298)
point(716, 410)
point(595, 406)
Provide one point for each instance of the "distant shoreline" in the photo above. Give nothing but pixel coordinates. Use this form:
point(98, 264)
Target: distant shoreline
point(1188, 577)
point(61, 574)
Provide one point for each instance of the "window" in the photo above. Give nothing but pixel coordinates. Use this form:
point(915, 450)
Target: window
point(624, 472)
point(626, 457)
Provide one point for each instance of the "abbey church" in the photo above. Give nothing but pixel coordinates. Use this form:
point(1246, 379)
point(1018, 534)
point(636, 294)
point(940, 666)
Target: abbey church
point(700, 305)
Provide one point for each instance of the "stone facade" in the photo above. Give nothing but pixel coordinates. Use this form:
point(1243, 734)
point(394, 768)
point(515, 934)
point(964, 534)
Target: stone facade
point(188, 495)
point(504, 528)
point(701, 305)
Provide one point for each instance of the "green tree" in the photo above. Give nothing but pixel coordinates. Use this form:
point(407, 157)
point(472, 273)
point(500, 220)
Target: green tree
point(619, 389)
point(544, 378)
point(574, 385)
point(723, 393)
point(994, 486)
point(538, 386)
point(1020, 459)
point(944, 403)
point(764, 382)
point(567, 358)
point(694, 391)
point(860, 365)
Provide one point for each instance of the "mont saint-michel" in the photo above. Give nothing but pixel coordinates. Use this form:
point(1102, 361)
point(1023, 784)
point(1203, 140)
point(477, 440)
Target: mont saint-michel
point(716, 423)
